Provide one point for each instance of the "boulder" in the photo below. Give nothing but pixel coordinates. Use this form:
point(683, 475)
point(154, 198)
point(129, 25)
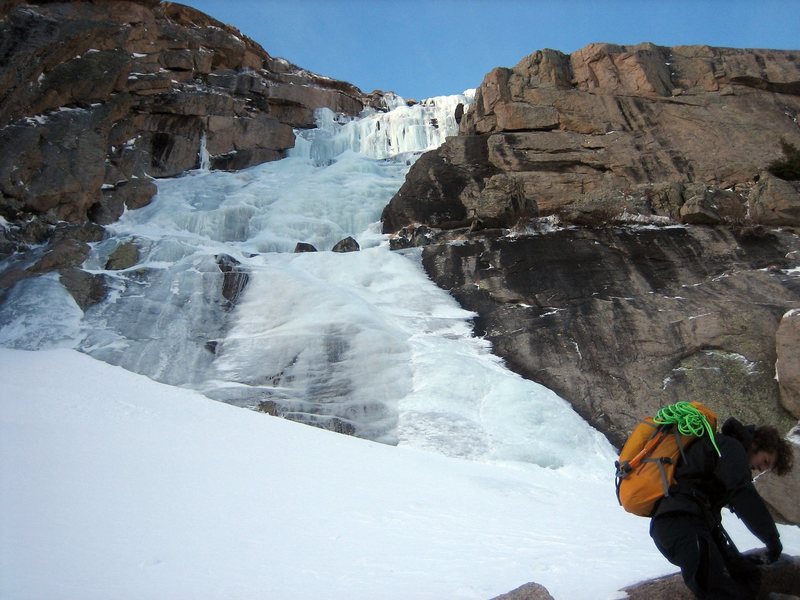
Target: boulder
point(304, 247)
point(528, 591)
point(348, 244)
point(123, 257)
point(86, 288)
point(774, 201)
point(704, 206)
point(234, 278)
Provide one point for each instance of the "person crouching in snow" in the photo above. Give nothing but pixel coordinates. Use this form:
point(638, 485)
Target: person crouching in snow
point(686, 524)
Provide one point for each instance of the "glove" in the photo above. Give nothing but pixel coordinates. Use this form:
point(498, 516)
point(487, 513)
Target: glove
point(745, 570)
point(773, 552)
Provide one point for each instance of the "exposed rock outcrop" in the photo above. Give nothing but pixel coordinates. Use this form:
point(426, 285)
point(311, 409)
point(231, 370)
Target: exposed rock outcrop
point(304, 247)
point(529, 591)
point(348, 244)
point(124, 256)
point(234, 279)
point(780, 580)
point(678, 132)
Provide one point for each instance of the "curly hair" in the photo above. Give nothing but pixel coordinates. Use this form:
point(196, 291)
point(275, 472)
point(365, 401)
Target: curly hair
point(768, 439)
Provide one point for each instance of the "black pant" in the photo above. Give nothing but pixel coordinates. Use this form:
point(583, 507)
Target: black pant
point(710, 571)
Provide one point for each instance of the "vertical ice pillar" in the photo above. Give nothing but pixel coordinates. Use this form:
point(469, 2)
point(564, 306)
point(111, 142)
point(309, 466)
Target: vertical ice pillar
point(205, 158)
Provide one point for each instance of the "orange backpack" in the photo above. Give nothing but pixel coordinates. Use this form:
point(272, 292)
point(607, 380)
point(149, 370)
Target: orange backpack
point(646, 464)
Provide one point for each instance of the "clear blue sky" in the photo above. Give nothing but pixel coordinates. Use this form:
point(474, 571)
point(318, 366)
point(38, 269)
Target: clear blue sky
point(424, 48)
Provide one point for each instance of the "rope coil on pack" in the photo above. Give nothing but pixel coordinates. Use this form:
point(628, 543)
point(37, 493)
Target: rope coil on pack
point(688, 419)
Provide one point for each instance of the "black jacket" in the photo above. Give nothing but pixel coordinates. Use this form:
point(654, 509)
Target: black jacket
point(705, 483)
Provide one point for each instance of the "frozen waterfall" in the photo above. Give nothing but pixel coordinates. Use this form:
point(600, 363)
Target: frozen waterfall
point(360, 342)
point(380, 135)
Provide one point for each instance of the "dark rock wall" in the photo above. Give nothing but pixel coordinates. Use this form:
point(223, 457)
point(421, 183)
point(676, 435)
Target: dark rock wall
point(622, 321)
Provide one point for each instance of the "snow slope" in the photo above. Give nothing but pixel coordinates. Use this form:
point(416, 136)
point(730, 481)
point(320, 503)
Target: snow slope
point(115, 486)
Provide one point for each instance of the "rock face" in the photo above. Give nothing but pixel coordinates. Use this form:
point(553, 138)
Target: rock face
point(622, 321)
point(676, 132)
point(605, 214)
point(788, 360)
point(98, 98)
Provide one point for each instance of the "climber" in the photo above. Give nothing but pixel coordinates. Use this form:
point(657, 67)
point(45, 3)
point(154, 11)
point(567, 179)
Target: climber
point(686, 524)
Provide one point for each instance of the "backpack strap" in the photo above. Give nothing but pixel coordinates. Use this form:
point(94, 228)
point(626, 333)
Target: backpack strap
point(662, 471)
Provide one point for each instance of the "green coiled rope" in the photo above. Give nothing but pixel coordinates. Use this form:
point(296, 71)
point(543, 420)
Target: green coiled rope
point(688, 419)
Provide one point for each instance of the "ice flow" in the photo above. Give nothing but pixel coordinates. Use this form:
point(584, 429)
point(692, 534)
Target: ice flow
point(360, 342)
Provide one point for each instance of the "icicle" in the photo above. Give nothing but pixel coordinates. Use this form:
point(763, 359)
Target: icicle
point(379, 135)
point(205, 158)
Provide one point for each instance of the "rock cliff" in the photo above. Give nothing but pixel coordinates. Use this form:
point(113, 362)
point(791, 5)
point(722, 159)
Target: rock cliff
point(96, 99)
point(683, 133)
point(609, 217)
